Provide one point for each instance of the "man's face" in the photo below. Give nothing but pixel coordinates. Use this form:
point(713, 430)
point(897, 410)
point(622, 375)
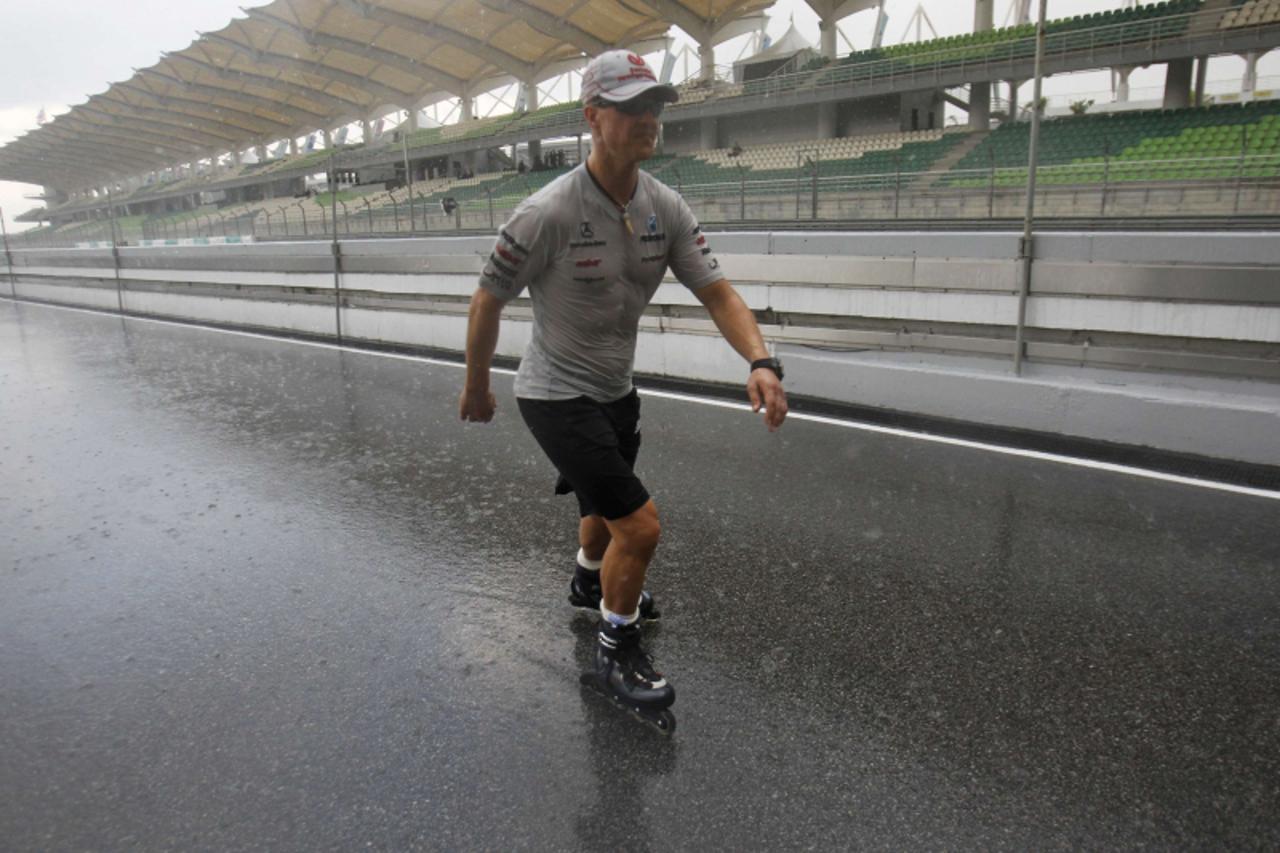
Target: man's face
point(627, 131)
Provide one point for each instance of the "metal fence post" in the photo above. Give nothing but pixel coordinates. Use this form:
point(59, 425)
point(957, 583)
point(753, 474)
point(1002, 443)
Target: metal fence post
point(897, 185)
point(489, 194)
point(115, 250)
point(1244, 152)
point(742, 193)
point(368, 207)
point(8, 257)
point(799, 175)
point(1025, 246)
point(813, 205)
point(1106, 175)
point(991, 188)
point(336, 249)
point(408, 177)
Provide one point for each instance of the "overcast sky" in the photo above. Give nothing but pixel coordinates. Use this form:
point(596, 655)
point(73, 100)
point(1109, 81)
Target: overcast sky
point(59, 52)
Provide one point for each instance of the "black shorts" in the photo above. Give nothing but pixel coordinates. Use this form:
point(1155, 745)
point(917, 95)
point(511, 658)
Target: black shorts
point(594, 447)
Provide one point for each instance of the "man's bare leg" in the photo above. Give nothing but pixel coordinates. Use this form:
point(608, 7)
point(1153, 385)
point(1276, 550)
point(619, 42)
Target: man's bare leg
point(624, 671)
point(634, 538)
point(593, 536)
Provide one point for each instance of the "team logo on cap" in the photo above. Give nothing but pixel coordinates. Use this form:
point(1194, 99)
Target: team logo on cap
point(634, 59)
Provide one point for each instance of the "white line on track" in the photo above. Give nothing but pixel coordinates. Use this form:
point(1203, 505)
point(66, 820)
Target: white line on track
point(726, 404)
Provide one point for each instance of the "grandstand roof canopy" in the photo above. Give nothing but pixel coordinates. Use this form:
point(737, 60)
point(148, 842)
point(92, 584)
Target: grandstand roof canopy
point(292, 66)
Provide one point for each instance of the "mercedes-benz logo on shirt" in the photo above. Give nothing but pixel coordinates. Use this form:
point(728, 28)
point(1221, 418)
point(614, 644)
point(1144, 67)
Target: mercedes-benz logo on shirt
point(586, 231)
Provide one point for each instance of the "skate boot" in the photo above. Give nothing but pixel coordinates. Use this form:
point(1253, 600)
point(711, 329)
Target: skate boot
point(584, 592)
point(624, 673)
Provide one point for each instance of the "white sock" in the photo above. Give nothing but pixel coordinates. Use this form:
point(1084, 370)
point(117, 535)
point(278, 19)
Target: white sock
point(617, 619)
point(589, 565)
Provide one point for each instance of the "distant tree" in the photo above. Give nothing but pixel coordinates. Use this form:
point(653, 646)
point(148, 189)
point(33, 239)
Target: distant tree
point(1081, 107)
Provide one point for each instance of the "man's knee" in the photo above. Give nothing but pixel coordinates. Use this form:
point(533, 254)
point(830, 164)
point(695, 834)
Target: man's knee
point(638, 531)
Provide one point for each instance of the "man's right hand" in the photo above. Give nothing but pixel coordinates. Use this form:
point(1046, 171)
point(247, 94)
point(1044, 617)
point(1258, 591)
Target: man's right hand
point(477, 406)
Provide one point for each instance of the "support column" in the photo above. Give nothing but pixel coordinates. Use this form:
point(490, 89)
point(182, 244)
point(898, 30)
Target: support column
point(1122, 73)
point(709, 136)
point(366, 129)
point(261, 151)
point(827, 123)
point(327, 137)
point(1202, 69)
point(293, 146)
point(412, 119)
point(467, 105)
point(983, 15)
point(979, 106)
point(1249, 83)
point(1177, 84)
point(707, 54)
point(827, 37)
point(980, 93)
point(1013, 100)
point(531, 104)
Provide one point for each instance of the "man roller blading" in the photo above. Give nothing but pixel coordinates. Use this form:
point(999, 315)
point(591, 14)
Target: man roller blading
point(592, 248)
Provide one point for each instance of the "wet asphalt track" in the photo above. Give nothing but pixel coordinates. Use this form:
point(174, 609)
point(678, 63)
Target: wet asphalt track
point(256, 595)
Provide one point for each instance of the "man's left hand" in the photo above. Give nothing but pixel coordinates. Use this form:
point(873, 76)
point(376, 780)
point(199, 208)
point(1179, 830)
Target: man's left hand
point(764, 388)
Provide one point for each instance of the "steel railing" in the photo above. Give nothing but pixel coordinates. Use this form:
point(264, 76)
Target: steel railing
point(1205, 186)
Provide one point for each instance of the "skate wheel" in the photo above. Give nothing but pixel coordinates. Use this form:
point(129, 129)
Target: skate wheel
point(665, 721)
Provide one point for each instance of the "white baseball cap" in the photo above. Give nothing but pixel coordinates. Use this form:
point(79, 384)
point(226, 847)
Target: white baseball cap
point(619, 75)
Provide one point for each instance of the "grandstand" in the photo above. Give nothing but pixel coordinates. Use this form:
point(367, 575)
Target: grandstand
point(840, 126)
point(1150, 146)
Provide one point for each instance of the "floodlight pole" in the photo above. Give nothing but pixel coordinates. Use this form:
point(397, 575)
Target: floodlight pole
point(1025, 245)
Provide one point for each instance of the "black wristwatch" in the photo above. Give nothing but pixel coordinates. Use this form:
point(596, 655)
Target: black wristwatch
point(771, 363)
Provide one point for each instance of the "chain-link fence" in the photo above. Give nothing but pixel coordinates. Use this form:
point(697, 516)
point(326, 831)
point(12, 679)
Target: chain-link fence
point(1227, 187)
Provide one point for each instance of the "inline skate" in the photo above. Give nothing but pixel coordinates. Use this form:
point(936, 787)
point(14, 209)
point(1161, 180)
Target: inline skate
point(624, 674)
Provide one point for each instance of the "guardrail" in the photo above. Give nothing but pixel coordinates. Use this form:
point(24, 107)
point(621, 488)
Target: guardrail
point(834, 304)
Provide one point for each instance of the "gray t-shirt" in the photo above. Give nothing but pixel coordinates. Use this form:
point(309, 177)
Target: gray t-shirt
point(590, 277)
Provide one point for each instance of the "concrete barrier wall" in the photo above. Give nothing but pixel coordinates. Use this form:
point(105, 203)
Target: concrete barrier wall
point(918, 322)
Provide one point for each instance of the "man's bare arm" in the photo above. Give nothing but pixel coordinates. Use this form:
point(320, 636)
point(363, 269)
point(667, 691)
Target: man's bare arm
point(738, 325)
point(477, 402)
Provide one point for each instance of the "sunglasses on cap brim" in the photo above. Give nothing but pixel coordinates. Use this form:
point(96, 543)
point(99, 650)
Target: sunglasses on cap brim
point(635, 106)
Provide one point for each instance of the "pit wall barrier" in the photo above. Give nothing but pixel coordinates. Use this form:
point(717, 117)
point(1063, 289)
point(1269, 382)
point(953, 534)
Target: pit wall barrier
point(1168, 341)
